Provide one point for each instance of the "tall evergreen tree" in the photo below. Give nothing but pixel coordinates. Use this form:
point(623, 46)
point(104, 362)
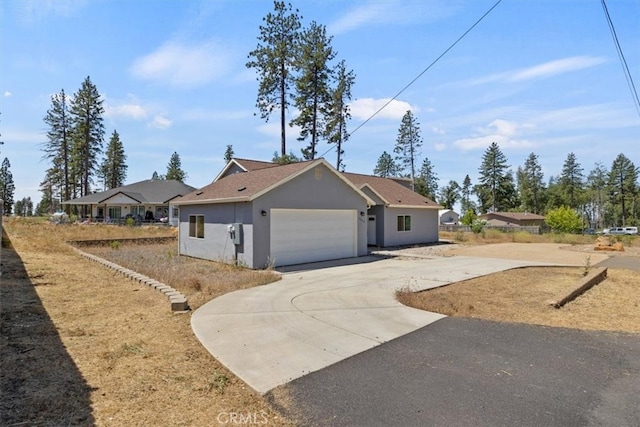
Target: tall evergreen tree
point(88, 134)
point(386, 166)
point(58, 147)
point(274, 59)
point(493, 178)
point(24, 207)
point(312, 84)
point(114, 167)
point(531, 185)
point(286, 159)
point(572, 181)
point(51, 198)
point(450, 194)
point(465, 196)
point(7, 187)
point(174, 169)
point(338, 111)
point(228, 153)
point(623, 184)
point(408, 144)
point(426, 182)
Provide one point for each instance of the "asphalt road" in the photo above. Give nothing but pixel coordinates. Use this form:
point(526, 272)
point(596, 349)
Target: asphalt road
point(468, 372)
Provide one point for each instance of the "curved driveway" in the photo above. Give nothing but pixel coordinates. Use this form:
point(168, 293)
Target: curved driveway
point(273, 334)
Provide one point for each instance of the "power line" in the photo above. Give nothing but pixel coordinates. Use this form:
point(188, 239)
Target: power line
point(623, 61)
point(422, 72)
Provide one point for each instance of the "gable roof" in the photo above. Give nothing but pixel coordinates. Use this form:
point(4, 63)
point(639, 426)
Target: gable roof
point(394, 194)
point(247, 186)
point(150, 191)
point(246, 165)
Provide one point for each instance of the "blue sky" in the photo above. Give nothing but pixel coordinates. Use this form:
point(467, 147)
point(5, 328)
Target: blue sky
point(538, 76)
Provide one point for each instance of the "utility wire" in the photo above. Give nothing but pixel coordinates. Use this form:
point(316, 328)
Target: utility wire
point(623, 61)
point(421, 73)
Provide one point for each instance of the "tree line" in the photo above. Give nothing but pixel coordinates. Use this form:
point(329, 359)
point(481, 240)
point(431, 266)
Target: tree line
point(78, 164)
point(603, 197)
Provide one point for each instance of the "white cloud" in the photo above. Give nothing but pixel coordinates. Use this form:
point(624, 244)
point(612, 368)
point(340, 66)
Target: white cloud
point(391, 12)
point(160, 122)
point(133, 111)
point(7, 93)
point(364, 108)
point(560, 66)
point(440, 146)
point(505, 133)
point(180, 64)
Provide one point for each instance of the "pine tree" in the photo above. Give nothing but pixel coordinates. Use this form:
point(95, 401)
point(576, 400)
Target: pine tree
point(274, 59)
point(426, 182)
point(312, 84)
point(114, 168)
point(493, 178)
point(58, 147)
point(174, 169)
point(531, 185)
point(571, 180)
point(408, 144)
point(51, 198)
point(338, 111)
point(88, 134)
point(386, 166)
point(465, 196)
point(228, 154)
point(623, 184)
point(286, 159)
point(7, 186)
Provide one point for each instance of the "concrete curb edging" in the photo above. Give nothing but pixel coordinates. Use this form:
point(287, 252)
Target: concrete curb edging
point(178, 301)
point(596, 276)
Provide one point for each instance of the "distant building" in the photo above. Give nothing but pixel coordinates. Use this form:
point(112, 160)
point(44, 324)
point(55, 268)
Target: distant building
point(448, 217)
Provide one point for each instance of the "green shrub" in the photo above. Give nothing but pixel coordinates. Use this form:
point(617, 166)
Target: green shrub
point(477, 226)
point(129, 222)
point(115, 245)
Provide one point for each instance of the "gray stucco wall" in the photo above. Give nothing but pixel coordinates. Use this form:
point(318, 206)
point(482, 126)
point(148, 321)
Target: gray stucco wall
point(217, 244)
point(424, 227)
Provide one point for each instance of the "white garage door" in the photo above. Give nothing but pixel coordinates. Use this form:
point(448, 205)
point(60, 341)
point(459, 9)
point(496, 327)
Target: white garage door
point(308, 235)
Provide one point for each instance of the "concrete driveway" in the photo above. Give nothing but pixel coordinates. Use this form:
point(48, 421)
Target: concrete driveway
point(311, 319)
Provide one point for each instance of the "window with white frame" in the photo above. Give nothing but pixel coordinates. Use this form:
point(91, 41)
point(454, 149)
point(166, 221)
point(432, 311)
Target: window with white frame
point(404, 222)
point(196, 226)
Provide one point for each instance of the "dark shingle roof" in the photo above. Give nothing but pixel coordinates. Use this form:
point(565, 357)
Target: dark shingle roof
point(151, 191)
point(393, 193)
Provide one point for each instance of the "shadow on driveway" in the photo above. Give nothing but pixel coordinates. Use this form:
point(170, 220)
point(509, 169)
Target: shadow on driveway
point(39, 382)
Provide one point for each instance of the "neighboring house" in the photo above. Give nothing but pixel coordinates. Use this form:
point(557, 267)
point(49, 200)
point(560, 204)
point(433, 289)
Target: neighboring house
point(262, 214)
point(144, 201)
point(522, 219)
point(448, 217)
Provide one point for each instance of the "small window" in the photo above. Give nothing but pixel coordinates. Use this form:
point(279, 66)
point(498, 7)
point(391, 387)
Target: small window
point(176, 212)
point(196, 226)
point(404, 222)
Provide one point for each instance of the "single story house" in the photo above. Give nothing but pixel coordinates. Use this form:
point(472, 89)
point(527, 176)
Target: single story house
point(506, 219)
point(448, 217)
point(145, 201)
point(262, 214)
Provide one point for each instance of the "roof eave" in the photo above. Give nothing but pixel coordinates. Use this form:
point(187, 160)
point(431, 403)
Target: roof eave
point(213, 201)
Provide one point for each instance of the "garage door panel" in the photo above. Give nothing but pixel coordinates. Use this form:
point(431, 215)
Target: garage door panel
point(304, 235)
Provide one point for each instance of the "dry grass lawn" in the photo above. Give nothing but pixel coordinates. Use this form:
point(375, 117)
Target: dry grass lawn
point(82, 345)
point(523, 295)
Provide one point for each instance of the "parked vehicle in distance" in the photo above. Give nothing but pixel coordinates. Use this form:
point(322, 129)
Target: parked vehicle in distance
point(621, 230)
point(589, 231)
